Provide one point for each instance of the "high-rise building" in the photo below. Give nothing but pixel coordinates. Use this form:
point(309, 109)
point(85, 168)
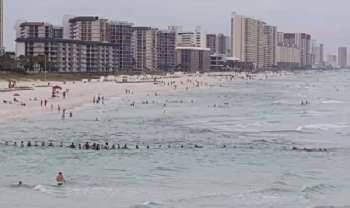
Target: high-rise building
point(120, 33)
point(321, 54)
point(166, 44)
point(342, 57)
point(35, 30)
point(288, 55)
point(211, 43)
point(144, 47)
point(88, 28)
point(191, 39)
point(221, 44)
point(91, 44)
point(193, 59)
point(270, 44)
point(303, 42)
point(317, 53)
point(68, 55)
point(65, 55)
point(1, 25)
point(332, 60)
point(247, 36)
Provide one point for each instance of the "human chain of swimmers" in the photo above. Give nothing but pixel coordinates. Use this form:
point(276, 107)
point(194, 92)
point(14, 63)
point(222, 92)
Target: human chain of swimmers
point(108, 146)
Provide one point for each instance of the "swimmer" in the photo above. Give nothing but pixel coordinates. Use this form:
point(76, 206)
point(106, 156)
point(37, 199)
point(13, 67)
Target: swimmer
point(72, 146)
point(21, 185)
point(87, 146)
point(60, 179)
point(197, 146)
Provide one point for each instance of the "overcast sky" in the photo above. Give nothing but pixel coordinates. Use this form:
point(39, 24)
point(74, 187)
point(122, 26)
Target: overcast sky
point(326, 20)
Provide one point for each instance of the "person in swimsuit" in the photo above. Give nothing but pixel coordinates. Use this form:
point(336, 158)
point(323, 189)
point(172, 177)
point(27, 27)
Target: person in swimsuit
point(60, 179)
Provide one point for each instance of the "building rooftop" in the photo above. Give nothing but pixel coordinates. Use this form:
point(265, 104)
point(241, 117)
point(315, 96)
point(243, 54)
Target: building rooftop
point(193, 48)
point(51, 40)
point(83, 18)
point(32, 24)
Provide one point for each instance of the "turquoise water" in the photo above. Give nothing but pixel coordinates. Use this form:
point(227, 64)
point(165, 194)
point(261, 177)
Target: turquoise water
point(246, 159)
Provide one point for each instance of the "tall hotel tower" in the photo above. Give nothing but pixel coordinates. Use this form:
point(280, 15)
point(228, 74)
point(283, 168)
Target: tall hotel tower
point(1, 24)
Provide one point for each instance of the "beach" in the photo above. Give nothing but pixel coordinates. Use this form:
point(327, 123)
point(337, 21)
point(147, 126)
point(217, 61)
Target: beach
point(263, 140)
point(28, 101)
point(80, 93)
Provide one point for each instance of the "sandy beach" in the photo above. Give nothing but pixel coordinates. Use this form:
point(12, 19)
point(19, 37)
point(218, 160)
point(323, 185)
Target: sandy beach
point(22, 103)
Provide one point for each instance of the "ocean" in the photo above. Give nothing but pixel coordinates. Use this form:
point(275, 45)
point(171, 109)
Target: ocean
point(228, 145)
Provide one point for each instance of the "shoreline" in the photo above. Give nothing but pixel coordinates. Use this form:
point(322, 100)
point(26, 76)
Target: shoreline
point(27, 103)
point(30, 94)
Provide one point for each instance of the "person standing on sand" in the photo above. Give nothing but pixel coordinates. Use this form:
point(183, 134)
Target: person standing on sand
point(45, 103)
point(63, 114)
point(41, 103)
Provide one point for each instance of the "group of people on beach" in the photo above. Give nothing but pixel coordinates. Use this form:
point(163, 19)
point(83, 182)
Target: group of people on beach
point(98, 99)
point(306, 102)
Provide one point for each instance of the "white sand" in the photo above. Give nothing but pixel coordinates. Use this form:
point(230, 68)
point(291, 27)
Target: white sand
point(82, 93)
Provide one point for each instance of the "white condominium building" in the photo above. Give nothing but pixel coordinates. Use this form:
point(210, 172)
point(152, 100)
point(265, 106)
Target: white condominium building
point(247, 36)
point(270, 44)
point(88, 28)
point(153, 49)
point(191, 39)
point(1, 24)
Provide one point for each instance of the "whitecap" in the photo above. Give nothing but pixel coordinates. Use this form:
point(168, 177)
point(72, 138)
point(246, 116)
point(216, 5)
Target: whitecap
point(279, 102)
point(147, 204)
point(42, 189)
point(319, 188)
point(323, 127)
point(331, 102)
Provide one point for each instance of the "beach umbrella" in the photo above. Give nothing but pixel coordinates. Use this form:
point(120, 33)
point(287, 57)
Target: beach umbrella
point(57, 87)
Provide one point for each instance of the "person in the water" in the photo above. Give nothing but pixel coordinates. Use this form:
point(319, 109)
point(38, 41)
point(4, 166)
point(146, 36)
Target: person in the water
point(60, 179)
point(72, 146)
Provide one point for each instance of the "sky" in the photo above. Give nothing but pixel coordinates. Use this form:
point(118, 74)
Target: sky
point(327, 21)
